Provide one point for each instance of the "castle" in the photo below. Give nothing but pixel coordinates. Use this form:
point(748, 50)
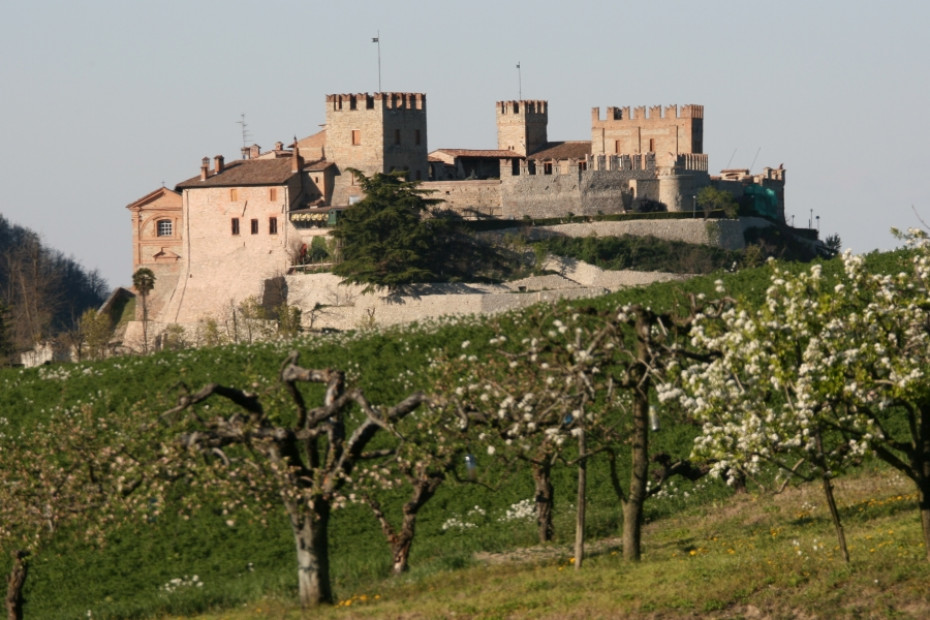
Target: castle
point(219, 236)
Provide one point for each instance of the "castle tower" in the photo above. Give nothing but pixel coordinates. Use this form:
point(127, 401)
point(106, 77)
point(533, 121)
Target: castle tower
point(380, 132)
point(522, 125)
point(665, 132)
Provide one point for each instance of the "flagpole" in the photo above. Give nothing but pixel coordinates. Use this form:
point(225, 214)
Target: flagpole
point(377, 40)
point(519, 82)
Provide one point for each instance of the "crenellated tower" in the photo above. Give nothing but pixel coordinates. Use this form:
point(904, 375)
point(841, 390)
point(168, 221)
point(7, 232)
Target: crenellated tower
point(522, 126)
point(380, 132)
point(665, 132)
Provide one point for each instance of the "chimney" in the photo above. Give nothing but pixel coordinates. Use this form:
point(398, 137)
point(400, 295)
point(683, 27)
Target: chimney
point(245, 152)
point(278, 146)
point(204, 168)
point(297, 162)
point(255, 151)
point(217, 164)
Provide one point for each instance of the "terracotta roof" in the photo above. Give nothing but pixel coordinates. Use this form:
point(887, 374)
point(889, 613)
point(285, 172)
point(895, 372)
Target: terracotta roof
point(317, 139)
point(318, 165)
point(575, 149)
point(244, 172)
point(478, 153)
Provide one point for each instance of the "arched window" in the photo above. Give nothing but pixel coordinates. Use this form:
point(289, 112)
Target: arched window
point(164, 228)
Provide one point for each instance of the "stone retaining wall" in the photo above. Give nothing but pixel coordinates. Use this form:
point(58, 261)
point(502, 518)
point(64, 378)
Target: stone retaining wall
point(326, 303)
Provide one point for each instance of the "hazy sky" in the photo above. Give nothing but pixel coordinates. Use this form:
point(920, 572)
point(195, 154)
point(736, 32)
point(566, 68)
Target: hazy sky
point(103, 101)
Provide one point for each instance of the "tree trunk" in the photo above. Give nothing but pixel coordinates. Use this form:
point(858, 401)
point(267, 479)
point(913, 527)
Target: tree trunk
point(401, 542)
point(831, 500)
point(924, 499)
point(923, 470)
point(633, 506)
point(311, 533)
point(582, 499)
point(14, 586)
point(400, 552)
point(835, 515)
point(545, 499)
point(145, 323)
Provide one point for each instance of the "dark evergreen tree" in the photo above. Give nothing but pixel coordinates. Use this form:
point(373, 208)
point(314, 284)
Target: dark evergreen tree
point(386, 240)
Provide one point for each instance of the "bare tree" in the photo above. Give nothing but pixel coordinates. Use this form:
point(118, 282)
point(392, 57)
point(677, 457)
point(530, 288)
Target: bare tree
point(307, 464)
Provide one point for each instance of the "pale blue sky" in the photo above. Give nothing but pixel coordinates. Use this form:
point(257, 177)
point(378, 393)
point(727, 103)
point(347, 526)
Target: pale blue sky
point(103, 100)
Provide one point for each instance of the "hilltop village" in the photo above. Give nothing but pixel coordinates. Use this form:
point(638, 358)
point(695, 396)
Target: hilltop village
point(222, 235)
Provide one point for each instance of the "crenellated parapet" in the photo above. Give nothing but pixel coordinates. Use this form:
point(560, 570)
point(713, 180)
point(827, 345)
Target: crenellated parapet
point(774, 174)
point(386, 101)
point(653, 113)
point(640, 161)
point(690, 162)
point(525, 107)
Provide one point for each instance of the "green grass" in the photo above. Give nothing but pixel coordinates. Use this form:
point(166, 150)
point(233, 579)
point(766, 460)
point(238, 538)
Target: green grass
point(748, 556)
point(250, 566)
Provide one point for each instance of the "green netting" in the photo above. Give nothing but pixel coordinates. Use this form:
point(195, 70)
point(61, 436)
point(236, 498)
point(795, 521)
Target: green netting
point(764, 201)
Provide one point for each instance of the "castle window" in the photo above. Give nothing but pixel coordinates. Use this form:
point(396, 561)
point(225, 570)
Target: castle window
point(652, 145)
point(397, 136)
point(547, 167)
point(164, 228)
point(272, 225)
point(235, 226)
point(616, 146)
point(254, 227)
point(416, 136)
point(234, 194)
point(356, 137)
point(582, 166)
point(272, 193)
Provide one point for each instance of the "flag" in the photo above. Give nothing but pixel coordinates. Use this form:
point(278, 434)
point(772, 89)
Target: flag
point(375, 39)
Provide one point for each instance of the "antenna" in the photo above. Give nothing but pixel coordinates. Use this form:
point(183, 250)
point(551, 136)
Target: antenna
point(245, 132)
point(754, 159)
point(519, 83)
point(731, 158)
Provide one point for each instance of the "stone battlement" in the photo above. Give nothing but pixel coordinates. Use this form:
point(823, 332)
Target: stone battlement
point(387, 101)
point(526, 107)
point(638, 161)
point(690, 162)
point(655, 112)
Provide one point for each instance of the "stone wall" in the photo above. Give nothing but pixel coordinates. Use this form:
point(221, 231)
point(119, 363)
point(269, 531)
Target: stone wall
point(727, 234)
point(470, 198)
point(328, 304)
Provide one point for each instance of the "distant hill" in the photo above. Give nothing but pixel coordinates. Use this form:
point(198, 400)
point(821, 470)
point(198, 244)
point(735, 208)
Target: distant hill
point(42, 292)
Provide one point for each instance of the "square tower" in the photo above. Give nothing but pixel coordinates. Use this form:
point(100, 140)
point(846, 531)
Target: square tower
point(660, 131)
point(380, 132)
point(522, 126)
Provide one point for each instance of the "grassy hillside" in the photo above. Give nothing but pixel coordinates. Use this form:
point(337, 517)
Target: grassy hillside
point(148, 568)
point(749, 556)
